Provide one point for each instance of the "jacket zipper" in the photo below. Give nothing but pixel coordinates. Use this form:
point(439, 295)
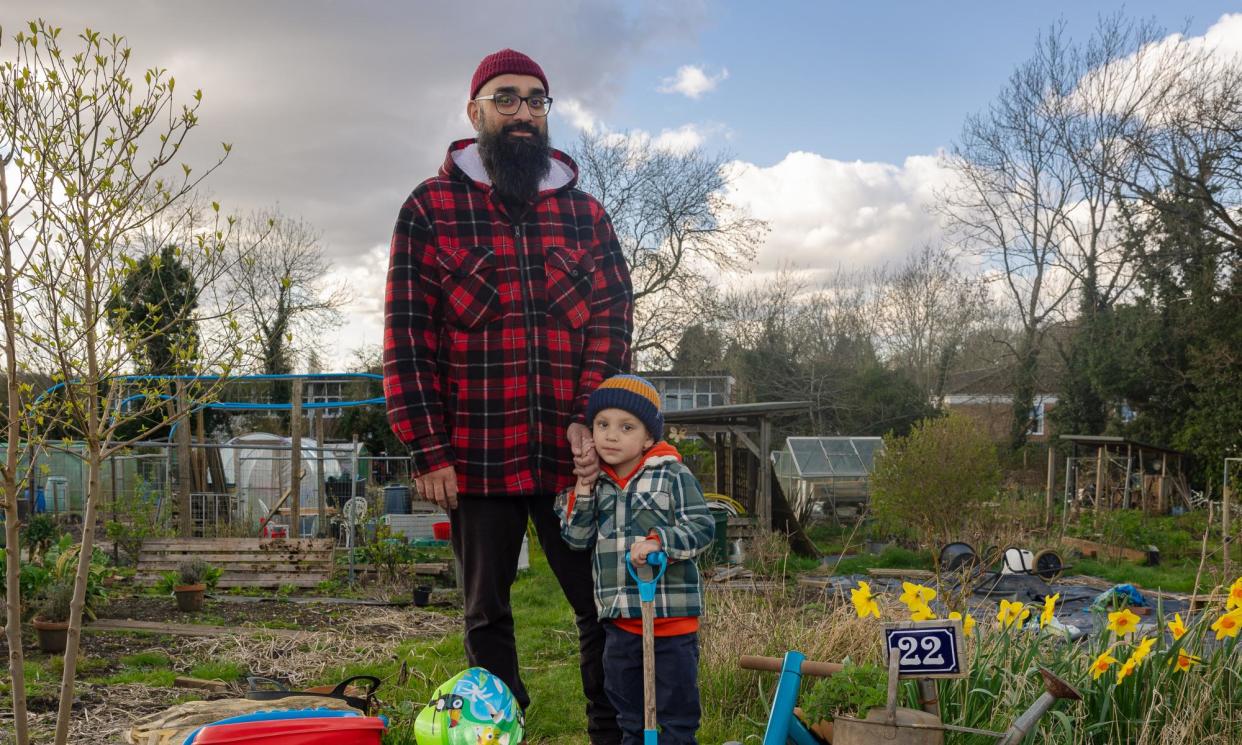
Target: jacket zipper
point(531, 392)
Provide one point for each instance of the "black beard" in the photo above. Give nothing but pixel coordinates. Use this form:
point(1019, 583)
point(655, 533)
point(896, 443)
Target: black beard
point(516, 165)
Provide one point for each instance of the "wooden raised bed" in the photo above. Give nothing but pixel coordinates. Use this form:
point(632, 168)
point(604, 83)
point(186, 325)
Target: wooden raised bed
point(247, 562)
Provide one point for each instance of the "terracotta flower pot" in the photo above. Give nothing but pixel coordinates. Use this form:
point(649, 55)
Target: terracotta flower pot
point(822, 729)
point(190, 597)
point(53, 635)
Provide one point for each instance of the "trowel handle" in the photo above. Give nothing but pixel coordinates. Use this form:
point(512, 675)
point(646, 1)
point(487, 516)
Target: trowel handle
point(646, 587)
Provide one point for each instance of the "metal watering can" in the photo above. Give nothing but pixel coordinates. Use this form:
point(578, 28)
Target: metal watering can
point(892, 724)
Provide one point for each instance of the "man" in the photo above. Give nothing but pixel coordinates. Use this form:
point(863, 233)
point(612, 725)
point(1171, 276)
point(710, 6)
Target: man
point(508, 302)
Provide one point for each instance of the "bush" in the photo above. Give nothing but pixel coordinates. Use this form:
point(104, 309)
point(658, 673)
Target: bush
point(191, 572)
point(852, 692)
point(932, 485)
point(56, 602)
point(58, 566)
point(139, 523)
point(39, 535)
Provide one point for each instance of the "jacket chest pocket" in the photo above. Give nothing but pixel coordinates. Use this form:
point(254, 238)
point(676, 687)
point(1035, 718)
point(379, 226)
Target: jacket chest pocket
point(469, 286)
point(570, 273)
point(649, 510)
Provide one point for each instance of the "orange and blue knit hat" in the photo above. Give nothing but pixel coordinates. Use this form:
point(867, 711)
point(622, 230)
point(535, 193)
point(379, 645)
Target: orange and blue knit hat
point(629, 393)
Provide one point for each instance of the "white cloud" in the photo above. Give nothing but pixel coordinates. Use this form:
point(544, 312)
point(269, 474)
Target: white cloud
point(692, 81)
point(824, 213)
point(580, 118)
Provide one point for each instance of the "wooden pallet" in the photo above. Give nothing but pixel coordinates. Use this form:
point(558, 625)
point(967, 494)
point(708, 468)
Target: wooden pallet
point(247, 562)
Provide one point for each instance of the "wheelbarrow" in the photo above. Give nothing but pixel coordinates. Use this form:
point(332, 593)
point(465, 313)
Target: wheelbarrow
point(889, 725)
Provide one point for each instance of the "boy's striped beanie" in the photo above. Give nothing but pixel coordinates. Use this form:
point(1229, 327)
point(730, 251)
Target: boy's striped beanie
point(629, 393)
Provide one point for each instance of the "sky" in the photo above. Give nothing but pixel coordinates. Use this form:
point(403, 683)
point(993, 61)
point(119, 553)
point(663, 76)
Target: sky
point(833, 111)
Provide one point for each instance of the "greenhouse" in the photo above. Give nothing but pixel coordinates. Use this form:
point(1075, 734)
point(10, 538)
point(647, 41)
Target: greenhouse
point(827, 477)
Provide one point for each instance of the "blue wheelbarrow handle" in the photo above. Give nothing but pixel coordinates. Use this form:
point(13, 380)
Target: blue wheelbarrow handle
point(646, 587)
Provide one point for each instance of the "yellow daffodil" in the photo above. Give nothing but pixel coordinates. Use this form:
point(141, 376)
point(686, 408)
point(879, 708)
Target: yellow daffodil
point(1235, 595)
point(916, 595)
point(968, 623)
point(1176, 627)
point(1011, 613)
point(1125, 670)
point(1228, 624)
point(922, 613)
point(1185, 660)
point(1144, 649)
point(1101, 664)
point(1122, 622)
point(864, 602)
point(1050, 604)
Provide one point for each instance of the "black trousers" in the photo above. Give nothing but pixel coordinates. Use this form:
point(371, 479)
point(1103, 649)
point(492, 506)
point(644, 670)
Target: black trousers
point(487, 538)
point(676, 684)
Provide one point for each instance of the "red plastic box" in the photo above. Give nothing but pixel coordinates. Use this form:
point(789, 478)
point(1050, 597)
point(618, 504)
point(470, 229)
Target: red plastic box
point(318, 731)
point(442, 531)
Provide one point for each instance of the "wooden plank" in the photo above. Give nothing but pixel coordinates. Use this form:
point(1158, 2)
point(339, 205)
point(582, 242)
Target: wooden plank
point(319, 557)
point(435, 567)
point(242, 568)
point(306, 581)
point(902, 573)
point(251, 580)
point(182, 629)
point(1093, 550)
point(184, 681)
point(229, 544)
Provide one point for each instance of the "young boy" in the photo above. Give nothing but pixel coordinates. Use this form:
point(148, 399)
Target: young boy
point(643, 500)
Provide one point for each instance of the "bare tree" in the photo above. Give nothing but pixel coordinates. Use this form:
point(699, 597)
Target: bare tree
point(1190, 131)
point(675, 225)
point(280, 283)
point(1010, 201)
point(925, 311)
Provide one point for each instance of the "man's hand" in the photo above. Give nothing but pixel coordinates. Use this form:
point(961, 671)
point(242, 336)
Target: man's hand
point(586, 460)
point(439, 486)
point(639, 551)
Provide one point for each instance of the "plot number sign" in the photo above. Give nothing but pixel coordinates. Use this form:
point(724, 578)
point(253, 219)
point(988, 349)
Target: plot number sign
point(926, 649)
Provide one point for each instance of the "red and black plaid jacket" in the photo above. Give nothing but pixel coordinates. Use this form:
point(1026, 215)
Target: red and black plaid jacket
point(496, 331)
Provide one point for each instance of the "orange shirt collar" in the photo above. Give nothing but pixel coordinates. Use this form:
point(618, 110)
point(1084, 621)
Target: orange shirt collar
point(657, 450)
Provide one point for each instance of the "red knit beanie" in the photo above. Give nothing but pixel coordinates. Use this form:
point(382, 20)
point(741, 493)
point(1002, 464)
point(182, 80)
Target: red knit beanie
point(506, 61)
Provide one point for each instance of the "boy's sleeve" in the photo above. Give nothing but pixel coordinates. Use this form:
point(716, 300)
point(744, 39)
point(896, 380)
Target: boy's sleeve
point(578, 520)
point(695, 528)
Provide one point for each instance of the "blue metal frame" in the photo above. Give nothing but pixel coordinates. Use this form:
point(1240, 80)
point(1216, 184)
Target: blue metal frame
point(783, 727)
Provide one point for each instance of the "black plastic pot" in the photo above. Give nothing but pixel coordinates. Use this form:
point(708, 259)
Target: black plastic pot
point(422, 595)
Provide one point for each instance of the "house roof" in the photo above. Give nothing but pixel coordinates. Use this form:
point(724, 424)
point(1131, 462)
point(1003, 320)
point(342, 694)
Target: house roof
point(735, 412)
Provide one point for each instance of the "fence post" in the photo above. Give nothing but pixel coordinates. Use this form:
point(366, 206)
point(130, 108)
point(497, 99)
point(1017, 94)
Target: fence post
point(320, 488)
point(1052, 484)
point(184, 518)
point(295, 461)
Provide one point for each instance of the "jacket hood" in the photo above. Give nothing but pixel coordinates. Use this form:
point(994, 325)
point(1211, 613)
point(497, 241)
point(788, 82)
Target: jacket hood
point(660, 453)
point(464, 162)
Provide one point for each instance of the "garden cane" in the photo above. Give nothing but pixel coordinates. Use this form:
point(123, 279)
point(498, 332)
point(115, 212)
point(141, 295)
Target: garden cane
point(646, 597)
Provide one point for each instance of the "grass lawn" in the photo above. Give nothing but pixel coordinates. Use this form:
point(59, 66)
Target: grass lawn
point(548, 650)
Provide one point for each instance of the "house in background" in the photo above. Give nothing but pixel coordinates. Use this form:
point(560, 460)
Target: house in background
point(682, 392)
point(986, 396)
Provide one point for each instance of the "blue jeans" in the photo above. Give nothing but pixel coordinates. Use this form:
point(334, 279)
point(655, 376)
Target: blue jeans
point(677, 685)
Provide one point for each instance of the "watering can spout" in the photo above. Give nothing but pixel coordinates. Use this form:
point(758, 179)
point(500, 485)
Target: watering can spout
point(1054, 689)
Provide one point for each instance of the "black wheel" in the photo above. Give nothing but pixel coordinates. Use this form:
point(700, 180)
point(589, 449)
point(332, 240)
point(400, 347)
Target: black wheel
point(957, 556)
point(1048, 565)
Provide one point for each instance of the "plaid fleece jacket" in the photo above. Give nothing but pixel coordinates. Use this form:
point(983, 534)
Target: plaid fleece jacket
point(662, 497)
point(497, 330)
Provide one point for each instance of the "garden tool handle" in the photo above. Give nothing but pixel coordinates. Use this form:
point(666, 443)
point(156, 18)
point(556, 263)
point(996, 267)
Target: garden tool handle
point(646, 587)
point(773, 665)
point(646, 596)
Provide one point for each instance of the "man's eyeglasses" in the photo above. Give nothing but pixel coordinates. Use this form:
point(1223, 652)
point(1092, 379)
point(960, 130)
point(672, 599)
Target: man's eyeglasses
point(509, 103)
